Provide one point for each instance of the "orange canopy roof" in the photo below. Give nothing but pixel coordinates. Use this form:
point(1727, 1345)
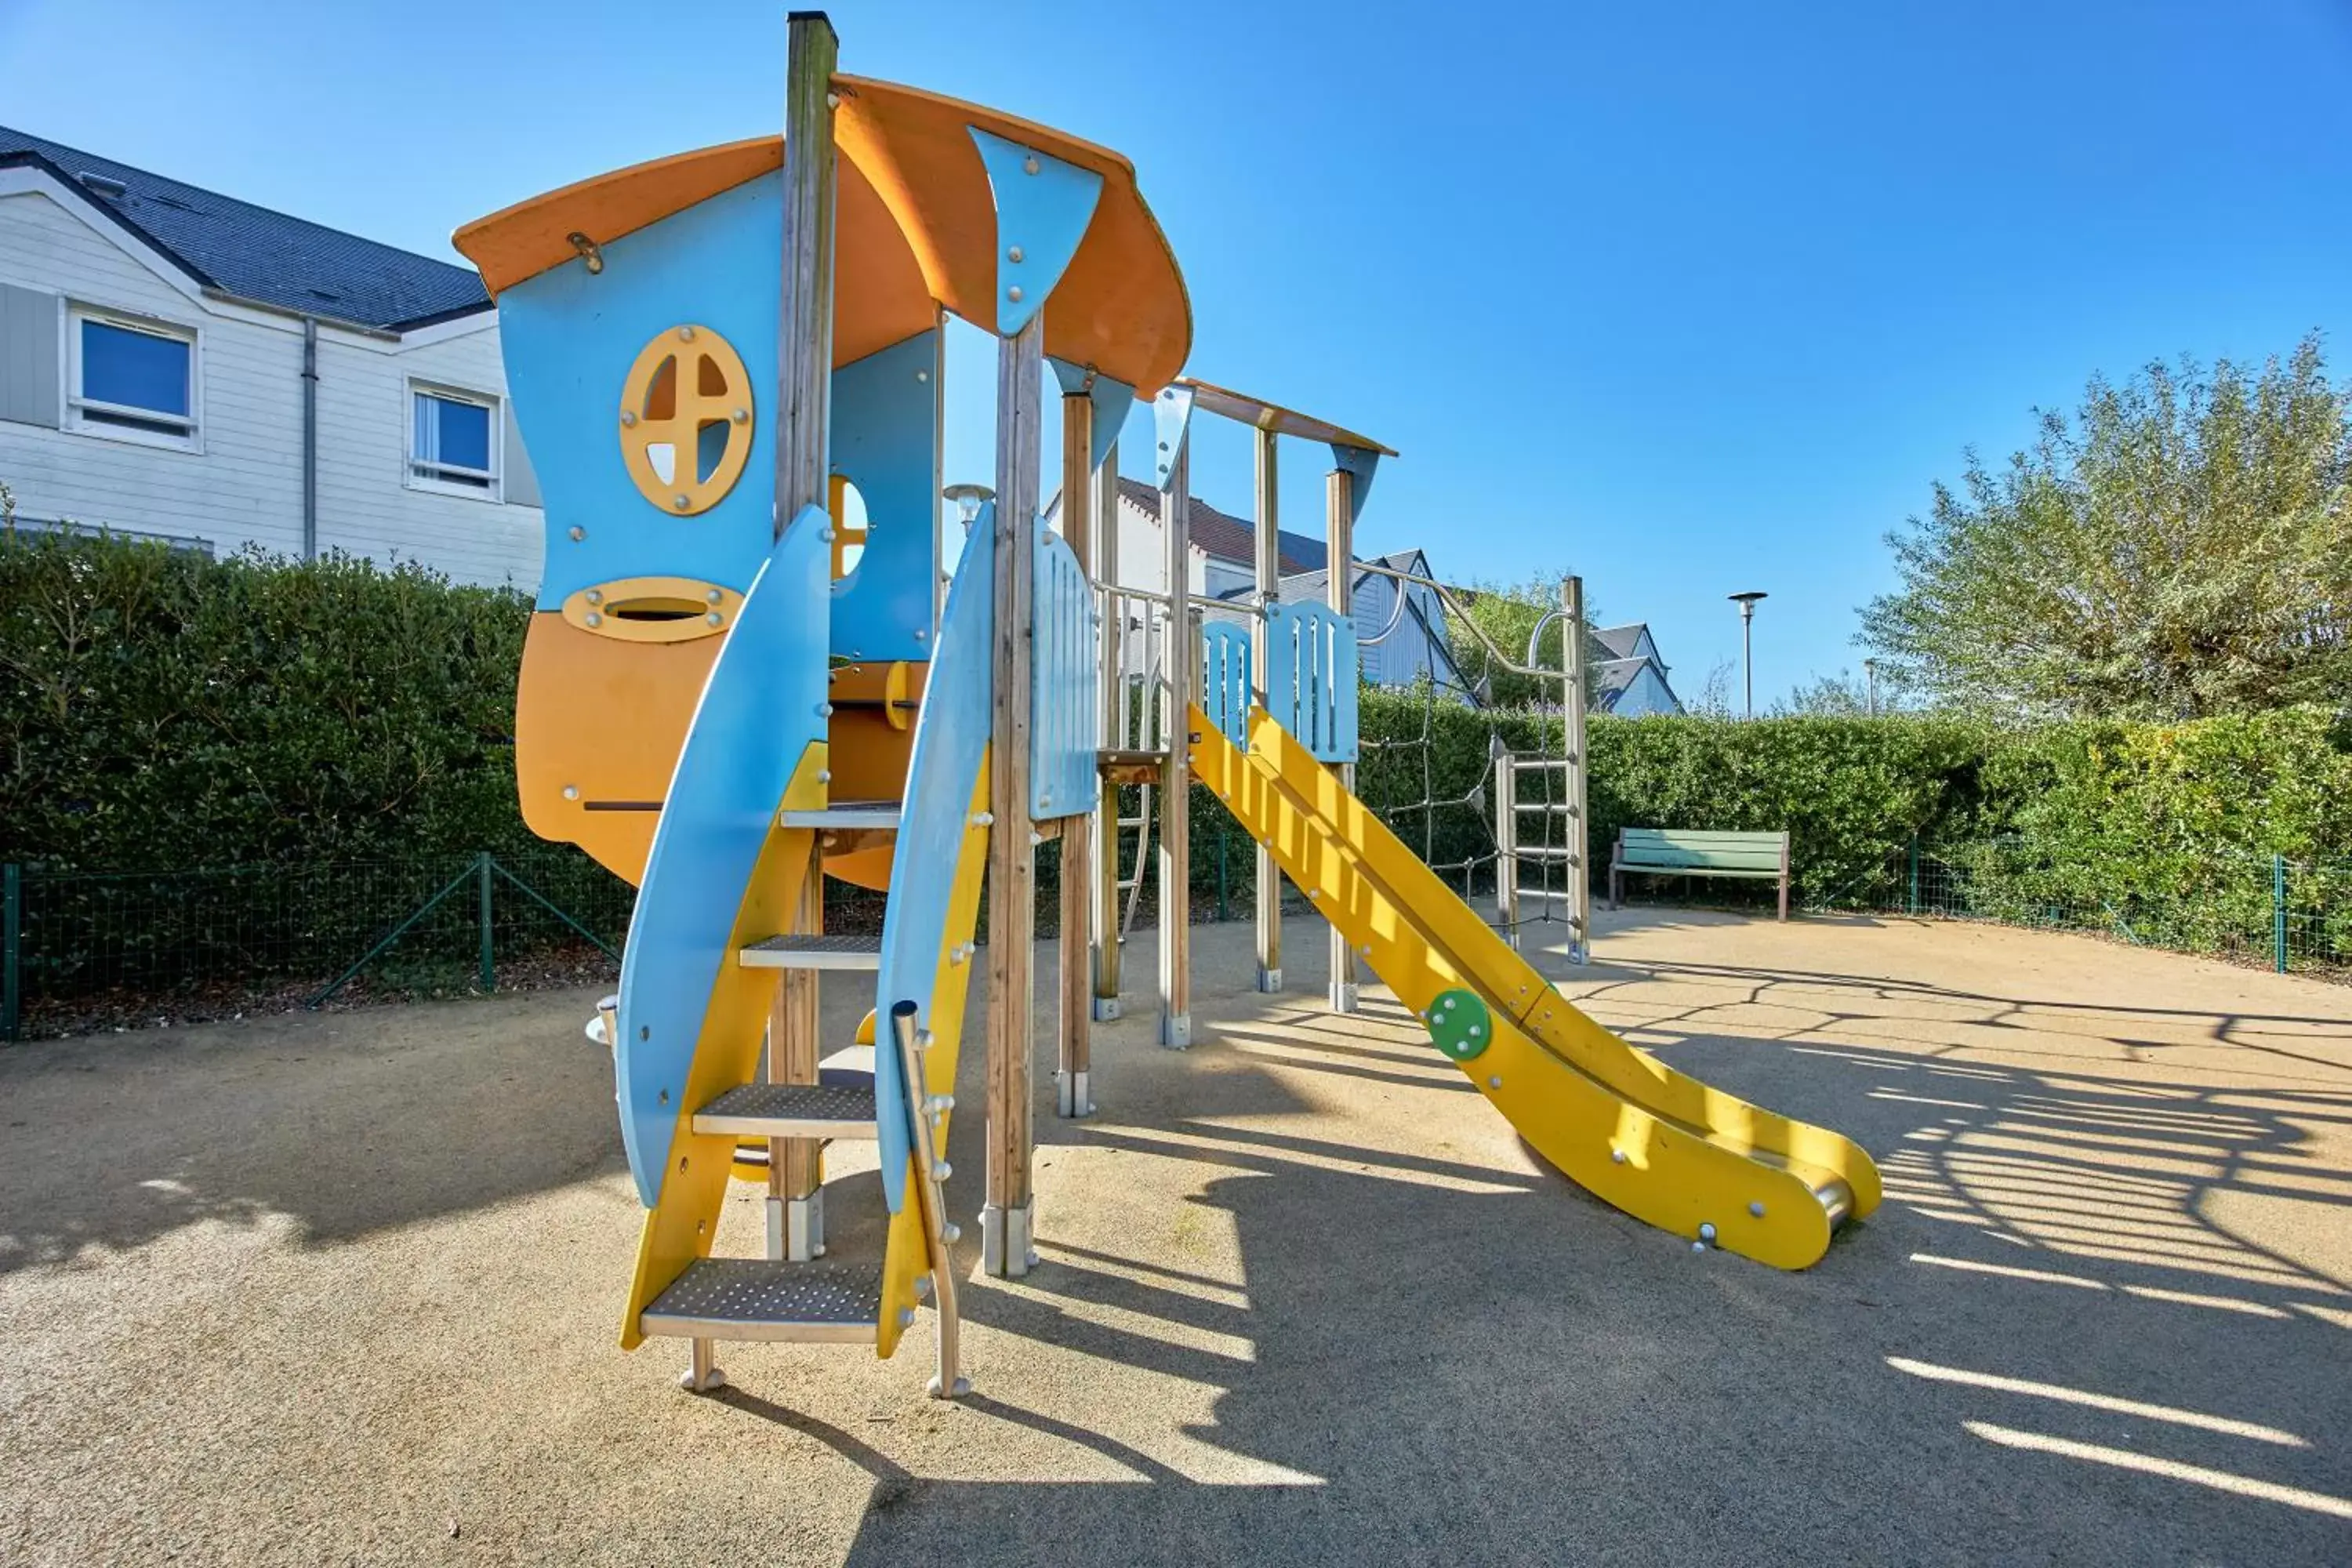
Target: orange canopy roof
point(915, 227)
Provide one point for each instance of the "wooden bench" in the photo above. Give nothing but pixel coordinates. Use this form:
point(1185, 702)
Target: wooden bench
point(1678, 852)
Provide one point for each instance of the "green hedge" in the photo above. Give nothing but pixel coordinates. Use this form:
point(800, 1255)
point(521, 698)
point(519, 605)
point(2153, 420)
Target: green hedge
point(161, 711)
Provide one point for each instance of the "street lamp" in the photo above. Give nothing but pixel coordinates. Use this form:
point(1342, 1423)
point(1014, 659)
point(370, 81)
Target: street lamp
point(1746, 603)
point(1870, 672)
point(968, 498)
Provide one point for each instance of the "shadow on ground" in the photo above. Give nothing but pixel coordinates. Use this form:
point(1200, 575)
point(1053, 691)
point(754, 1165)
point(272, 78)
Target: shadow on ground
point(2100, 1317)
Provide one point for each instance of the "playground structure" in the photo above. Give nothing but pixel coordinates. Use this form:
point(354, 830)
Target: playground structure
point(733, 688)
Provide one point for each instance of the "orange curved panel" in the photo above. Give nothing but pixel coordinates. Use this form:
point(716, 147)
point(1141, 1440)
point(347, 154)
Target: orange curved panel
point(1120, 306)
point(915, 229)
point(598, 726)
point(879, 295)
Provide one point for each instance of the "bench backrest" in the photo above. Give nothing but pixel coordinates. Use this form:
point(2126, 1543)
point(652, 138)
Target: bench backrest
point(1702, 850)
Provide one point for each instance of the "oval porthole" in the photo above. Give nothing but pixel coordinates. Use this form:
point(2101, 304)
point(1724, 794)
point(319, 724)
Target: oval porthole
point(849, 525)
point(686, 420)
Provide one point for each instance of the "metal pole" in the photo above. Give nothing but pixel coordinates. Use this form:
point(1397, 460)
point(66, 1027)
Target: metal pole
point(1914, 874)
point(1269, 593)
point(1870, 671)
point(482, 874)
point(1178, 659)
point(2278, 911)
point(12, 939)
point(1005, 1223)
point(1338, 593)
point(1748, 657)
point(310, 438)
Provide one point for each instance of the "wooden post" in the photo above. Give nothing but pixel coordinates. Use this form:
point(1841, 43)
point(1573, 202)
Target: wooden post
point(1575, 697)
point(1181, 659)
point(1340, 594)
point(1114, 725)
point(803, 410)
point(796, 1165)
point(1269, 593)
point(1005, 1222)
point(1076, 885)
point(805, 346)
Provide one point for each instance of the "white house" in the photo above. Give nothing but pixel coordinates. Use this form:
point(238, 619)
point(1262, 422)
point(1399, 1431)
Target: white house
point(179, 364)
point(1224, 554)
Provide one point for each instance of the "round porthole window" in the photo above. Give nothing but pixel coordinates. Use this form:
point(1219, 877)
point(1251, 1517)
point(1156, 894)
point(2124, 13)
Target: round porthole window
point(686, 420)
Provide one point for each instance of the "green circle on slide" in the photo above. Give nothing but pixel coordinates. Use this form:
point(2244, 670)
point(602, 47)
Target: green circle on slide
point(1458, 1021)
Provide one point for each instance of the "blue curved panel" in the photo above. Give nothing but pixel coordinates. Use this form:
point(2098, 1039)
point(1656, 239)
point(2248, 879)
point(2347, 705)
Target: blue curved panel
point(569, 337)
point(1310, 676)
point(759, 713)
point(1112, 401)
point(1064, 670)
point(951, 735)
point(1043, 207)
point(1359, 463)
point(884, 438)
point(1172, 416)
point(1226, 678)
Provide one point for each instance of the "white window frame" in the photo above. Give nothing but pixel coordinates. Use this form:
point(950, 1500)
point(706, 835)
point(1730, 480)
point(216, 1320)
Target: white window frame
point(87, 416)
point(495, 491)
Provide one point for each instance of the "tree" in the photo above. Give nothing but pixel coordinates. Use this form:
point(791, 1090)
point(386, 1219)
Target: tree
point(1840, 695)
point(1507, 615)
point(2181, 546)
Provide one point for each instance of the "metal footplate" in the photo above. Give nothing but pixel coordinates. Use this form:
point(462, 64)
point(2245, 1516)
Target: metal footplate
point(792, 1110)
point(813, 951)
point(845, 816)
point(753, 1299)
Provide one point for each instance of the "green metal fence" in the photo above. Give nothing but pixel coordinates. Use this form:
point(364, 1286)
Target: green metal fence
point(2291, 914)
point(91, 950)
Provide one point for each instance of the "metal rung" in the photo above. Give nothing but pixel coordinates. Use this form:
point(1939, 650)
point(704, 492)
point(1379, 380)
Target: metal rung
point(1530, 764)
point(1542, 809)
point(847, 815)
point(812, 951)
point(754, 1299)
point(1135, 822)
point(792, 1110)
point(1539, 852)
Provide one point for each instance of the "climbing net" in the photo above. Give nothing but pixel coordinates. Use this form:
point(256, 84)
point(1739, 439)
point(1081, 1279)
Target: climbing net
point(1458, 787)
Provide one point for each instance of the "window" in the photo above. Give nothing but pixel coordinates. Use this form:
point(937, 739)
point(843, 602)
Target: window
point(133, 378)
point(453, 442)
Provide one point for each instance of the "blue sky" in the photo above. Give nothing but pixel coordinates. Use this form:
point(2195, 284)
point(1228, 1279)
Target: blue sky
point(1690, 298)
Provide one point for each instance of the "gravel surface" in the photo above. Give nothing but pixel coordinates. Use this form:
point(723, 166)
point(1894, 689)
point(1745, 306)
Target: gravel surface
point(345, 1288)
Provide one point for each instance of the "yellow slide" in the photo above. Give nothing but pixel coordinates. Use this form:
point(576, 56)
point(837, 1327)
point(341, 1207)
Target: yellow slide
point(1662, 1147)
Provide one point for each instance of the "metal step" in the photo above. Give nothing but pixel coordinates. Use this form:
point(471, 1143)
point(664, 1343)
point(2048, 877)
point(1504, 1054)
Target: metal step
point(813, 951)
point(836, 1109)
point(753, 1299)
point(847, 815)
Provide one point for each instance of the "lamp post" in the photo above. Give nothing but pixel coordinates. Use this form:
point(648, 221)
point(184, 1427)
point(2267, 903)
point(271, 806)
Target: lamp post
point(1746, 603)
point(1870, 671)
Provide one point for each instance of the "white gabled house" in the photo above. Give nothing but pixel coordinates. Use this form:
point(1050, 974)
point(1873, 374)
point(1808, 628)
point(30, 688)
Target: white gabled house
point(181, 365)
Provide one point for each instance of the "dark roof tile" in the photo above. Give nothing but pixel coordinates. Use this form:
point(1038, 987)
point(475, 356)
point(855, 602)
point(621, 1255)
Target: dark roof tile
point(263, 256)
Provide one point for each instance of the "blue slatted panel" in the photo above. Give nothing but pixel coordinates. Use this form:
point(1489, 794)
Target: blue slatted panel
point(1225, 679)
point(1310, 678)
point(1065, 708)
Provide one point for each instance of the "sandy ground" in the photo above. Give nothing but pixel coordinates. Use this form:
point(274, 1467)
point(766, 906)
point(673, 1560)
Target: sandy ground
point(327, 1289)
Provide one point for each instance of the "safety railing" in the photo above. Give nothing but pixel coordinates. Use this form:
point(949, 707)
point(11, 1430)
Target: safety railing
point(1065, 719)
